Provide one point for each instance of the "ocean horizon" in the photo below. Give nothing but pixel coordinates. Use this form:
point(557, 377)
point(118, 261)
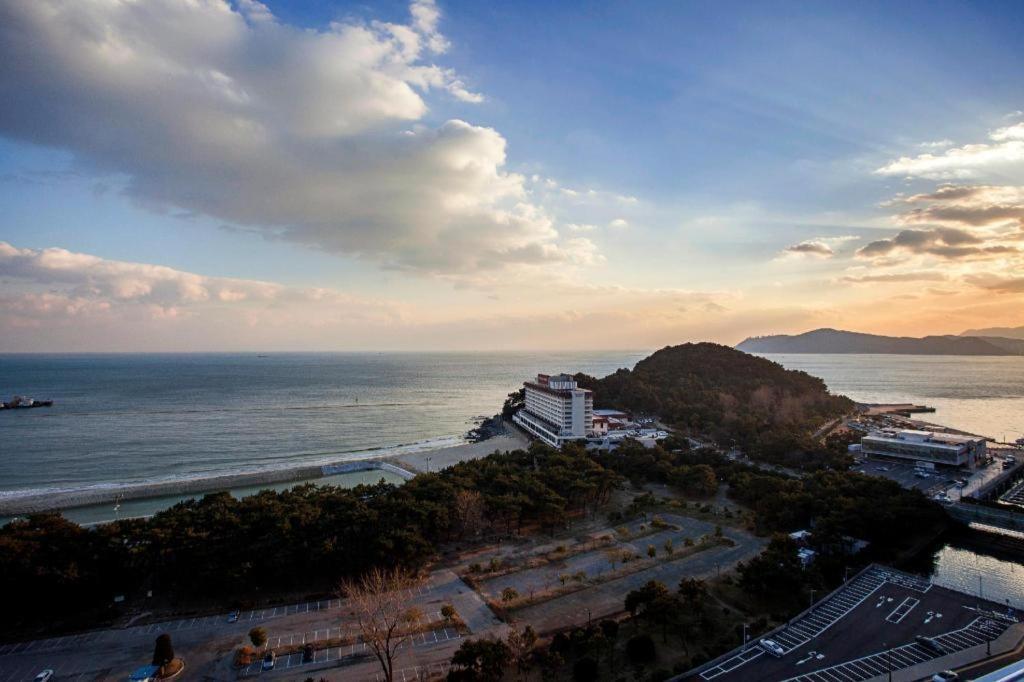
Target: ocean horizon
point(131, 418)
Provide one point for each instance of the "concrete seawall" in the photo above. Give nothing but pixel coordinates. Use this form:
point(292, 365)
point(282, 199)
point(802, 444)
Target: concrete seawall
point(366, 465)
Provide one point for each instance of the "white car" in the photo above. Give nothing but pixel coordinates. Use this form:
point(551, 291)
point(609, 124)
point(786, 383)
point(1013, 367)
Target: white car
point(772, 647)
point(44, 676)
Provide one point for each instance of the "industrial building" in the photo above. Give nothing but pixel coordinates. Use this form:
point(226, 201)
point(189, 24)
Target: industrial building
point(930, 447)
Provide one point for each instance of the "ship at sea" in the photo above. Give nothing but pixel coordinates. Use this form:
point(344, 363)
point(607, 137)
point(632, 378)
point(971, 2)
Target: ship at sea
point(20, 402)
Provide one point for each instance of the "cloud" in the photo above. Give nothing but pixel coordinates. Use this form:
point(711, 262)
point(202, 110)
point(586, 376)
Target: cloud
point(944, 242)
point(811, 248)
point(997, 283)
point(580, 227)
point(917, 276)
point(313, 136)
point(968, 205)
point(619, 224)
point(76, 282)
point(1005, 150)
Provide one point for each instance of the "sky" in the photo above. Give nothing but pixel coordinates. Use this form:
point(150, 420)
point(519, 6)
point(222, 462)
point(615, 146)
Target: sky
point(204, 175)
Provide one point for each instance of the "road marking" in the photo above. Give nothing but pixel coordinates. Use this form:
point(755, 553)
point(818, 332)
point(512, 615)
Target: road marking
point(901, 611)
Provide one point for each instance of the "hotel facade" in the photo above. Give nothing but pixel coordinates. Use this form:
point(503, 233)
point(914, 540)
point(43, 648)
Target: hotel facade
point(556, 410)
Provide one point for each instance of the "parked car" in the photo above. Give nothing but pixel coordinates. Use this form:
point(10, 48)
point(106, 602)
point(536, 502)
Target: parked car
point(772, 647)
point(945, 676)
point(233, 617)
point(269, 660)
point(931, 645)
point(44, 676)
point(308, 652)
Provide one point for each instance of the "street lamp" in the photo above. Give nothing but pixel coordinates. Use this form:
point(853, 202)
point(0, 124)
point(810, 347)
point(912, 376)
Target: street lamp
point(745, 633)
point(888, 660)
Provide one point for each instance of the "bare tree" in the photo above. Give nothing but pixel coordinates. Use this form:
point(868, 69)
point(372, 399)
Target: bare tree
point(380, 603)
point(469, 511)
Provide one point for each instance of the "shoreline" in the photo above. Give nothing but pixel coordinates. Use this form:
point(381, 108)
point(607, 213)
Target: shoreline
point(405, 465)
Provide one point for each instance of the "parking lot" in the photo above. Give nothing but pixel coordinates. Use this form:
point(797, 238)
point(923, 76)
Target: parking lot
point(864, 629)
point(907, 475)
point(1014, 495)
point(248, 618)
point(352, 651)
point(602, 560)
point(25, 671)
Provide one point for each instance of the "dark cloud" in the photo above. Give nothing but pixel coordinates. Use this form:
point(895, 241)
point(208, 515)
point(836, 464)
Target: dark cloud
point(815, 248)
point(945, 242)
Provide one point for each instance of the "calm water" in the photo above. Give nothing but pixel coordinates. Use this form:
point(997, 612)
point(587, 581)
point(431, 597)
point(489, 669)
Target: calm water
point(983, 395)
point(995, 579)
point(129, 418)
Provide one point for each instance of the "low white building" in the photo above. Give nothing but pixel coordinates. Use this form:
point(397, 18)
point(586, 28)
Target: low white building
point(556, 410)
point(925, 446)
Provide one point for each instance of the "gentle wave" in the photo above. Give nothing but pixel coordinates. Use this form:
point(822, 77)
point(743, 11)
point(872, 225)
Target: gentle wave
point(329, 458)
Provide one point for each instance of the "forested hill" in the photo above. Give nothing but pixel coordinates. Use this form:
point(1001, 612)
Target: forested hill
point(839, 341)
point(710, 389)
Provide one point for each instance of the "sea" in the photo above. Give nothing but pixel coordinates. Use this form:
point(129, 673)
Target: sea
point(123, 419)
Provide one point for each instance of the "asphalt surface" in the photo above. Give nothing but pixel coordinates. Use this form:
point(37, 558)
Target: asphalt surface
point(207, 644)
point(608, 598)
point(596, 563)
point(864, 629)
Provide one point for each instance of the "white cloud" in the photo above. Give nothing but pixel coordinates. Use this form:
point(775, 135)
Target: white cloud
point(307, 135)
point(73, 283)
point(619, 224)
point(937, 144)
point(1003, 153)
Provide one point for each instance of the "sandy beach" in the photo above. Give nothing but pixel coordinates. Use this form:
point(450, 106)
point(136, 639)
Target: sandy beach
point(417, 462)
point(434, 460)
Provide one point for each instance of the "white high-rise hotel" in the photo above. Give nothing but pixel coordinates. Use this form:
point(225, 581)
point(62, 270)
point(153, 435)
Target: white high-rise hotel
point(556, 409)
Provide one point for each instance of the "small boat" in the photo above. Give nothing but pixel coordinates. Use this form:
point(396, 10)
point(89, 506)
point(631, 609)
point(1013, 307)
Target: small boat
point(20, 402)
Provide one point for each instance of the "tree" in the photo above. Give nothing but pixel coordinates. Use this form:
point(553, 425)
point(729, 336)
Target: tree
point(692, 592)
point(520, 646)
point(610, 630)
point(163, 651)
point(668, 546)
point(258, 636)
point(379, 602)
point(513, 403)
point(652, 551)
point(479, 660)
point(509, 594)
point(469, 512)
point(641, 650)
point(550, 662)
point(448, 612)
point(584, 670)
point(638, 599)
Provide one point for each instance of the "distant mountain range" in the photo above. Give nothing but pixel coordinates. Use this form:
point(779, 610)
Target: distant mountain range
point(1004, 332)
point(839, 341)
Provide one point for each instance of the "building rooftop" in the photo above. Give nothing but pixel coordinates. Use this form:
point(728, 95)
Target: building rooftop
point(930, 437)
